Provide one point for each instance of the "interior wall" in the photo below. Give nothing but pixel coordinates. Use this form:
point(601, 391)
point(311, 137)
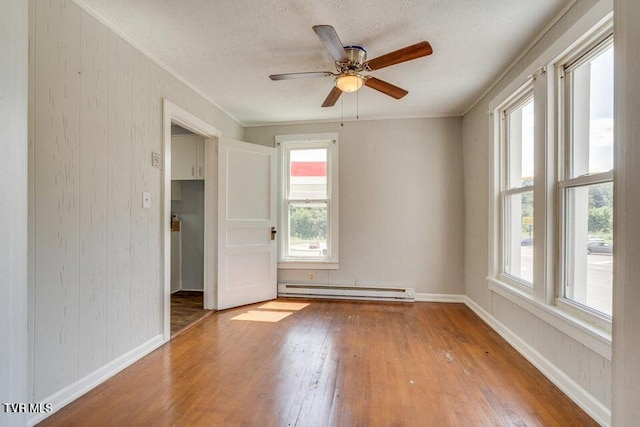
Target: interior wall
point(586, 368)
point(401, 203)
point(13, 205)
point(95, 254)
point(626, 295)
point(190, 210)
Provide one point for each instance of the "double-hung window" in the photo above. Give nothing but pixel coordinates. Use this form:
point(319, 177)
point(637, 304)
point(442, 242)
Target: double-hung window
point(585, 182)
point(309, 201)
point(516, 192)
point(553, 137)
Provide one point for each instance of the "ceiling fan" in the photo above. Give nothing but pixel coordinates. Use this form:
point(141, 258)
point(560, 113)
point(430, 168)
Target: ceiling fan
point(351, 61)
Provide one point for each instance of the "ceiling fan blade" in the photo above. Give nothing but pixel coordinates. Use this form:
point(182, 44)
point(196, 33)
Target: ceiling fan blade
point(331, 41)
point(384, 87)
point(291, 76)
point(332, 98)
point(408, 53)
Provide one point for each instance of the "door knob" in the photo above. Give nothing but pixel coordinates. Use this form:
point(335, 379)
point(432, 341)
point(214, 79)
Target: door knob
point(273, 233)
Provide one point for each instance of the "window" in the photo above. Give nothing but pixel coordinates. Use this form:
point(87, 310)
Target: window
point(552, 150)
point(516, 195)
point(309, 201)
point(586, 177)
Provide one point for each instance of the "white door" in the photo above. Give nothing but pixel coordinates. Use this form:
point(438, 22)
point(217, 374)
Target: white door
point(246, 217)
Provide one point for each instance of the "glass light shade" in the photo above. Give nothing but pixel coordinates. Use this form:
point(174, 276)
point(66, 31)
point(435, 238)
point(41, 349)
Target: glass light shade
point(349, 83)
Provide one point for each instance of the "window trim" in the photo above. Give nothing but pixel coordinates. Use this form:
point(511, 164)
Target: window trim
point(518, 98)
point(591, 45)
point(284, 143)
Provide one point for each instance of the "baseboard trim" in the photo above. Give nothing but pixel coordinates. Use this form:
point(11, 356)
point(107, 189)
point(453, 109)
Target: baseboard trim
point(455, 298)
point(70, 393)
point(600, 413)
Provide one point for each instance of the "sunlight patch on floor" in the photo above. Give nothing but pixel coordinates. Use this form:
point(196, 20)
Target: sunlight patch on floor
point(278, 305)
point(263, 316)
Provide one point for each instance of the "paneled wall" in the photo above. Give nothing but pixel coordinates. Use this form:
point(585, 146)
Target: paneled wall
point(13, 205)
point(590, 371)
point(587, 368)
point(96, 255)
point(401, 205)
point(626, 338)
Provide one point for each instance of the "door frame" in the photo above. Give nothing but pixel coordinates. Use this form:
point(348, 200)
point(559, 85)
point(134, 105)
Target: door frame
point(173, 113)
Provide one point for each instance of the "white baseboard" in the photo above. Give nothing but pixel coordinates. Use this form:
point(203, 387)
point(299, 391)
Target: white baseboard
point(70, 393)
point(420, 297)
point(599, 412)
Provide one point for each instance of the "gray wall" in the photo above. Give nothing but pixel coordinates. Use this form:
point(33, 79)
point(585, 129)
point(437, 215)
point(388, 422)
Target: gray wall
point(13, 205)
point(401, 203)
point(191, 212)
point(96, 255)
point(626, 324)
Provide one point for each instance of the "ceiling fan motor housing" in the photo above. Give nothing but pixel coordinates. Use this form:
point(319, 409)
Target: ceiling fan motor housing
point(356, 56)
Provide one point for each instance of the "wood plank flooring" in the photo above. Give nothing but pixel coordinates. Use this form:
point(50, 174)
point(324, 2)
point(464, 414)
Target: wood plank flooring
point(332, 363)
point(186, 308)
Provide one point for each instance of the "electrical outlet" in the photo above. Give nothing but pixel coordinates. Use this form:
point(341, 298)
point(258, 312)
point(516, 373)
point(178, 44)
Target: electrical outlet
point(312, 276)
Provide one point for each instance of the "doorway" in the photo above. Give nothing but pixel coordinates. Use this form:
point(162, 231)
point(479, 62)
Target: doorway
point(240, 217)
point(190, 267)
point(188, 186)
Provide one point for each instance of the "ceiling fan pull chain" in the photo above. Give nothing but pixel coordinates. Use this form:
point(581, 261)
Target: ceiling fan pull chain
point(357, 106)
point(342, 111)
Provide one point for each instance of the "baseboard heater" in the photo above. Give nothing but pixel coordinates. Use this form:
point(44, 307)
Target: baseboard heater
point(346, 292)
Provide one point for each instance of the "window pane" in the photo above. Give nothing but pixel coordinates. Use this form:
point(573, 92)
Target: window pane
point(308, 230)
point(518, 245)
point(520, 148)
point(589, 246)
point(308, 174)
point(592, 115)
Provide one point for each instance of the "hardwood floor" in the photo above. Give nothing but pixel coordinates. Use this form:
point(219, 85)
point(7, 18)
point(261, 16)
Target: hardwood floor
point(186, 309)
point(331, 363)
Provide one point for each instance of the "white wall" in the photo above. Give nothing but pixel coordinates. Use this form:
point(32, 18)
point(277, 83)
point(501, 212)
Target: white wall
point(626, 324)
point(588, 370)
point(13, 205)
point(95, 254)
point(401, 204)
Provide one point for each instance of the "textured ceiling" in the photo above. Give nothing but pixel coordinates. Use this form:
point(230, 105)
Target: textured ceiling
point(227, 49)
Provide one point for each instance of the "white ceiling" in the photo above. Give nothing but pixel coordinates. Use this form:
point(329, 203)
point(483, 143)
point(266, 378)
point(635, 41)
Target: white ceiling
point(227, 48)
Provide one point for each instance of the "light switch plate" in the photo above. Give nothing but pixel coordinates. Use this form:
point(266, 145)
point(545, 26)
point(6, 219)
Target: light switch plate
point(146, 199)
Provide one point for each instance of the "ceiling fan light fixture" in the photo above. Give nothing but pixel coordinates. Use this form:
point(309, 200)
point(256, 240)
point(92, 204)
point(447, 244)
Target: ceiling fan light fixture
point(349, 82)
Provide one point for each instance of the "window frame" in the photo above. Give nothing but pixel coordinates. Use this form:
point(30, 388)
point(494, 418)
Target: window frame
point(519, 98)
point(542, 299)
point(285, 144)
point(591, 46)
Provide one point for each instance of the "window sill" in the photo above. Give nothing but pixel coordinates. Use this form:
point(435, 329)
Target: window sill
point(307, 265)
point(592, 337)
point(514, 283)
